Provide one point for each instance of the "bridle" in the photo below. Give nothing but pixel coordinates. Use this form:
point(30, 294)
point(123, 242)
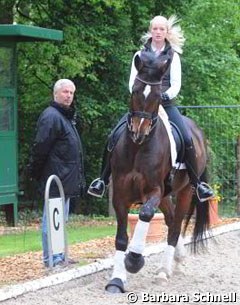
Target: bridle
point(148, 83)
point(153, 117)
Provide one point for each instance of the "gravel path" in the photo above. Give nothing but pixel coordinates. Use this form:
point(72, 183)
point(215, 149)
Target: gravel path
point(202, 279)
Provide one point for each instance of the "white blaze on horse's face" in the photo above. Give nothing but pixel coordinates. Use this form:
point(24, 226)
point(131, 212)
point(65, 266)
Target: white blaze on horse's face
point(144, 127)
point(141, 127)
point(147, 91)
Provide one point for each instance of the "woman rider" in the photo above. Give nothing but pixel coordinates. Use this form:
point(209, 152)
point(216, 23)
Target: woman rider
point(164, 37)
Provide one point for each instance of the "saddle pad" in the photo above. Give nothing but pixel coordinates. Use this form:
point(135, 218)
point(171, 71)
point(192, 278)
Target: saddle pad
point(164, 117)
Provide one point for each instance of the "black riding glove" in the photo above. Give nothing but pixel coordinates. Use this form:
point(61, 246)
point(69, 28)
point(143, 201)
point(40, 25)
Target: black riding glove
point(164, 97)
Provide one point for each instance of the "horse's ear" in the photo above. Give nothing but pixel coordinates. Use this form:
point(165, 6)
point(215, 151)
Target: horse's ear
point(164, 63)
point(138, 62)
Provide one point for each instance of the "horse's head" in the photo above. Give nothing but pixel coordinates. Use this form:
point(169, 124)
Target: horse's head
point(145, 97)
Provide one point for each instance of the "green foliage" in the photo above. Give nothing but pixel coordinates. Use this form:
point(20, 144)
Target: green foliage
point(211, 76)
point(211, 67)
point(94, 55)
point(100, 37)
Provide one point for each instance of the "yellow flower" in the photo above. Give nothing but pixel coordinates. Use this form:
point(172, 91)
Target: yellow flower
point(135, 207)
point(217, 192)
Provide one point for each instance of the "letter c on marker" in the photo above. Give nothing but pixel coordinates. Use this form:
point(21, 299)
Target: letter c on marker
point(56, 226)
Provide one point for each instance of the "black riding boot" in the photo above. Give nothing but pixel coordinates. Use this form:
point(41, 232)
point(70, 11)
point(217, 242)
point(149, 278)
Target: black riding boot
point(203, 191)
point(98, 186)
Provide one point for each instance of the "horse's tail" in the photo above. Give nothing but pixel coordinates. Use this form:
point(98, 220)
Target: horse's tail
point(201, 226)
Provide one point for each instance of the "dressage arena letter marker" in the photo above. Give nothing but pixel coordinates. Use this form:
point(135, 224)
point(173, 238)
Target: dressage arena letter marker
point(55, 214)
point(54, 218)
point(56, 225)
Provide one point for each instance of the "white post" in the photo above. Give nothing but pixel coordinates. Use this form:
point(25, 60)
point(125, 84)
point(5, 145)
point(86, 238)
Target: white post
point(55, 214)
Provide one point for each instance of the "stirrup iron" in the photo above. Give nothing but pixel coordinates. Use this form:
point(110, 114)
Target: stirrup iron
point(207, 198)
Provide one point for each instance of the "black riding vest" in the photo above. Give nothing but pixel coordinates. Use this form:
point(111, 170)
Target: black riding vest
point(165, 82)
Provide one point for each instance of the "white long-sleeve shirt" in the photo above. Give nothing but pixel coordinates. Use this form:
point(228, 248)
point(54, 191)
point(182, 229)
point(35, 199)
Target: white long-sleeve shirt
point(175, 75)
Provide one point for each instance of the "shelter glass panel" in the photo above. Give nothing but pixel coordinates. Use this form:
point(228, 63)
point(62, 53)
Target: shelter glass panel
point(6, 67)
point(6, 114)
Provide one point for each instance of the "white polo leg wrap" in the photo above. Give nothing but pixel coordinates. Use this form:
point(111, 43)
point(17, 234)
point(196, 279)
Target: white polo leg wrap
point(180, 251)
point(167, 260)
point(138, 240)
point(119, 270)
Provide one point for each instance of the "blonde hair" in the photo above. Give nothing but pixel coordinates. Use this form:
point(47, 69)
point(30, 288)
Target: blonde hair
point(174, 32)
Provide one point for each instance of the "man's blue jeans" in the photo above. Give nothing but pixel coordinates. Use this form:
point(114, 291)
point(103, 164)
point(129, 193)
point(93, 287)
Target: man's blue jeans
point(56, 257)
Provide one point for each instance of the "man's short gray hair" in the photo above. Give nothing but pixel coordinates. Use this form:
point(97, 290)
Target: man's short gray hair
point(63, 82)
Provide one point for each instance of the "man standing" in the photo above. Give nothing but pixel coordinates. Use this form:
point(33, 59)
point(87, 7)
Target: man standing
point(57, 150)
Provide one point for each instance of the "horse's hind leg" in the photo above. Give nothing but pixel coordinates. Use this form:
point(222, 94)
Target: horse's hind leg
point(184, 199)
point(166, 263)
point(180, 251)
point(173, 218)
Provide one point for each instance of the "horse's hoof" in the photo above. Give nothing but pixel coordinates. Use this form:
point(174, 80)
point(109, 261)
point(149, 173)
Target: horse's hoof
point(134, 262)
point(179, 269)
point(115, 286)
point(180, 254)
point(179, 258)
point(162, 276)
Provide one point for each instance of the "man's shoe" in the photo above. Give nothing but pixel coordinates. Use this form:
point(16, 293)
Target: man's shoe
point(97, 188)
point(204, 192)
point(60, 264)
point(63, 263)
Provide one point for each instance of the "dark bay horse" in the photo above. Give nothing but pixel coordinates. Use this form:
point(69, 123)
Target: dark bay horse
point(141, 167)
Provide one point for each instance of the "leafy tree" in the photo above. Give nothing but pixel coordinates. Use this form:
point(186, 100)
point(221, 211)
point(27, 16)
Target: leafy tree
point(210, 58)
point(100, 37)
point(7, 12)
point(95, 53)
point(211, 74)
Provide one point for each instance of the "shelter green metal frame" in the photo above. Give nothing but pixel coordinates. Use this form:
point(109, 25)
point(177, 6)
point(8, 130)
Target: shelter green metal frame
point(10, 35)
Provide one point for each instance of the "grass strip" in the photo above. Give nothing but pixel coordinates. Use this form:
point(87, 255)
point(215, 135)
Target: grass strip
point(28, 240)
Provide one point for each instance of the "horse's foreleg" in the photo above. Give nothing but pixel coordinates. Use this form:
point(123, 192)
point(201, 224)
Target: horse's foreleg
point(121, 243)
point(119, 275)
point(138, 241)
point(134, 260)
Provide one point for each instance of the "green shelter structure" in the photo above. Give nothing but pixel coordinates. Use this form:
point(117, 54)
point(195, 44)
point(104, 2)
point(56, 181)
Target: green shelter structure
point(10, 36)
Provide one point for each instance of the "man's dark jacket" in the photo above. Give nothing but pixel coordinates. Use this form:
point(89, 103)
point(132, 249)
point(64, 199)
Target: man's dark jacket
point(57, 150)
